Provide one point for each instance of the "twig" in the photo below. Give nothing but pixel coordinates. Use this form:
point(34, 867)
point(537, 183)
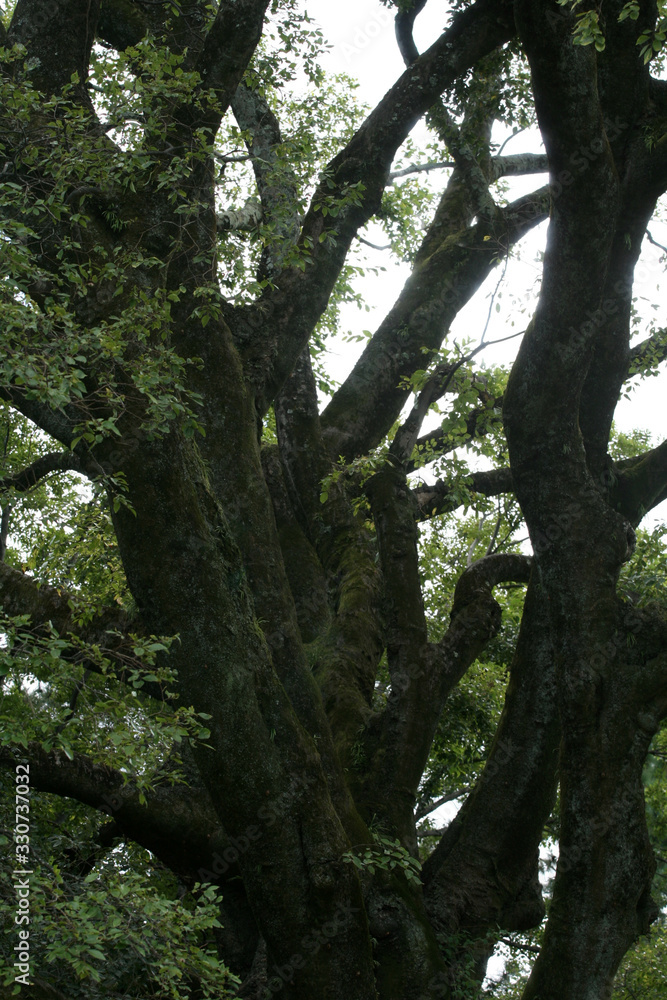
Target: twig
point(655, 242)
point(373, 245)
point(419, 168)
point(440, 802)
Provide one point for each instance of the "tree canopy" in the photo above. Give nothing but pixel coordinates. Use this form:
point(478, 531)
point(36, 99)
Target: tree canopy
point(258, 624)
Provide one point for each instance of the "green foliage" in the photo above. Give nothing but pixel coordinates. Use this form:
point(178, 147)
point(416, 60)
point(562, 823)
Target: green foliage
point(387, 856)
point(89, 926)
point(643, 972)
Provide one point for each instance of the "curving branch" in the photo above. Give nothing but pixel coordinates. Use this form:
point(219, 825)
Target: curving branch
point(54, 461)
point(443, 497)
point(640, 483)
point(404, 25)
point(422, 674)
point(468, 886)
point(54, 422)
point(176, 822)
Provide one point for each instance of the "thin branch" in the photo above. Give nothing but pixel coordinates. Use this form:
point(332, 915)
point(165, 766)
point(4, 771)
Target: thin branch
point(650, 352)
point(518, 164)
point(78, 688)
point(438, 443)
point(532, 948)
point(510, 137)
point(450, 797)
point(54, 609)
point(406, 436)
point(374, 246)
point(421, 168)
point(494, 536)
point(655, 242)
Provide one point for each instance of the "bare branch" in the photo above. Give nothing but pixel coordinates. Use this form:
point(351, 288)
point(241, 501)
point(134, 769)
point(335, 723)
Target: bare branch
point(420, 168)
point(450, 797)
point(404, 24)
point(518, 164)
point(640, 483)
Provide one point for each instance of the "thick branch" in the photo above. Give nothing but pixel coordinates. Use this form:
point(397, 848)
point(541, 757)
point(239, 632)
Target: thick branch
point(248, 217)
point(640, 484)
point(54, 422)
point(443, 497)
point(369, 401)
point(422, 675)
point(277, 327)
point(176, 822)
point(517, 165)
point(228, 48)
point(276, 182)
point(54, 461)
point(484, 871)
point(60, 51)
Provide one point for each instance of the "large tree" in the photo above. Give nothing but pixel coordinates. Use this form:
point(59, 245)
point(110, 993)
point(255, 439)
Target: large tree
point(167, 346)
